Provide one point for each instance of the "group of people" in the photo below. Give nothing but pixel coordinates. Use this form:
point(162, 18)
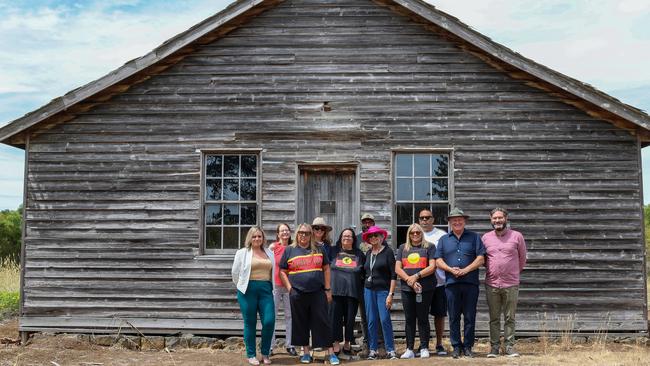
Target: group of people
point(322, 286)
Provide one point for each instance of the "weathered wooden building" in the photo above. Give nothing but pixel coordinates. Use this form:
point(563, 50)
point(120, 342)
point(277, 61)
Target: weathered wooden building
point(139, 185)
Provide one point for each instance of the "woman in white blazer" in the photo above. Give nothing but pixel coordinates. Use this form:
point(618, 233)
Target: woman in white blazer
point(252, 272)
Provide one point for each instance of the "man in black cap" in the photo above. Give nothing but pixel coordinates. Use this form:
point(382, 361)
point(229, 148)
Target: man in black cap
point(460, 254)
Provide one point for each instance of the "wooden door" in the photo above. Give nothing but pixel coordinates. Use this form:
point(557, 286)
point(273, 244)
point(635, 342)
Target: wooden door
point(329, 192)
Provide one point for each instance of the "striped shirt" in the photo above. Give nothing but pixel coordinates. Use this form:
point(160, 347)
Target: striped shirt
point(304, 268)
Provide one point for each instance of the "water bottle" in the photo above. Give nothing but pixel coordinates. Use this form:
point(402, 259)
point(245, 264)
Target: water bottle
point(418, 294)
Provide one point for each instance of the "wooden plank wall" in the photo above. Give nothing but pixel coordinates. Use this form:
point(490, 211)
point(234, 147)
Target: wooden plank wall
point(113, 200)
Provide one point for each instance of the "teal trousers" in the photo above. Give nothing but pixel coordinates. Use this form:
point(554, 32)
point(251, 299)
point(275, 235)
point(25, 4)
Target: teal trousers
point(257, 299)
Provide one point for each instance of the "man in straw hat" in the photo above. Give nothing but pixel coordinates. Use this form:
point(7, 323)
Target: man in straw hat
point(460, 254)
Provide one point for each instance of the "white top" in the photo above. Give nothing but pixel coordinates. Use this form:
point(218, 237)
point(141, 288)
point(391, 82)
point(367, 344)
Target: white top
point(432, 237)
point(241, 267)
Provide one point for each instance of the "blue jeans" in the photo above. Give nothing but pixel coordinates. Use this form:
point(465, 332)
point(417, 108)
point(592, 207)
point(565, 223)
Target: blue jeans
point(462, 299)
point(376, 311)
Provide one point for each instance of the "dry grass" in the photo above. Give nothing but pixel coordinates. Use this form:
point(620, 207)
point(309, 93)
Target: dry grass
point(9, 278)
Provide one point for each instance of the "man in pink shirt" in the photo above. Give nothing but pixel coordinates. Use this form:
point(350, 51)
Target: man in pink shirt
point(505, 260)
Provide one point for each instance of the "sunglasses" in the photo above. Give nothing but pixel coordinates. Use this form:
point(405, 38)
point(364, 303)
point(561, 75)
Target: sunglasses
point(318, 228)
point(416, 233)
point(304, 233)
point(374, 235)
point(425, 218)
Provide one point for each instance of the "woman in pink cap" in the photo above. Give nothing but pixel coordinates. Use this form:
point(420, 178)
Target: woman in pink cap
point(379, 289)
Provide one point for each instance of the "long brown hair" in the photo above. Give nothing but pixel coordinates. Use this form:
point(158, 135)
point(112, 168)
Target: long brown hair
point(277, 232)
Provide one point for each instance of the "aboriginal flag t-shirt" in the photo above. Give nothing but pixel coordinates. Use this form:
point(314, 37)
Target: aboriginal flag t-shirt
point(415, 260)
point(304, 268)
point(347, 273)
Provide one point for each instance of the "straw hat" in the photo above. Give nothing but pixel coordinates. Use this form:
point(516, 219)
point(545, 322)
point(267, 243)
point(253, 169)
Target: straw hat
point(319, 221)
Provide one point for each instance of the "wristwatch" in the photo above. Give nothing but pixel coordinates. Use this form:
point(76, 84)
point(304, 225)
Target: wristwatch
point(328, 289)
point(391, 294)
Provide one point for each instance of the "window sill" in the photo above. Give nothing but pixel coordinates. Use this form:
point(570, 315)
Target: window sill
point(214, 257)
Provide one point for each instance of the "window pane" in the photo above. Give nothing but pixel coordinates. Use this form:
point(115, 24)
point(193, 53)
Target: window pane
point(401, 235)
point(213, 238)
point(213, 189)
point(213, 215)
point(243, 231)
point(440, 211)
point(248, 189)
point(248, 214)
point(231, 238)
point(404, 189)
point(422, 189)
point(249, 166)
point(231, 166)
point(440, 165)
point(404, 214)
point(421, 164)
point(213, 165)
point(439, 189)
point(231, 214)
point(229, 178)
point(404, 165)
point(231, 189)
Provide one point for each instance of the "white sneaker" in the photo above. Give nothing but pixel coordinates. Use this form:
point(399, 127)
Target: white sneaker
point(424, 353)
point(408, 354)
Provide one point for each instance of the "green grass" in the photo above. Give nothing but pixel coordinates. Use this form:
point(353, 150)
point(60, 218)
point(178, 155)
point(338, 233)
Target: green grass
point(9, 290)
point(9, 302)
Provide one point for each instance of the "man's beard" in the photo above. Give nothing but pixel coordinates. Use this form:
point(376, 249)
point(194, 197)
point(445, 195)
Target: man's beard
point(500, 227)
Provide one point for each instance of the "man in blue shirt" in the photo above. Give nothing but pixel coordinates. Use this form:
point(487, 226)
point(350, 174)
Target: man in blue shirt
point(460, 254)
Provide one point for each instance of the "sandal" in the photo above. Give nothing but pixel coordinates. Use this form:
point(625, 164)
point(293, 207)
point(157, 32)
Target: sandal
point(253, 361)
point(266, 360)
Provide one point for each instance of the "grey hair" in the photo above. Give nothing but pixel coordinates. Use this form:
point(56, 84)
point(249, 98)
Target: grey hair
point(499, 209)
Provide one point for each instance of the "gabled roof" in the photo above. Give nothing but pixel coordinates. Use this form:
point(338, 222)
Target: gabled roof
point(574, 92)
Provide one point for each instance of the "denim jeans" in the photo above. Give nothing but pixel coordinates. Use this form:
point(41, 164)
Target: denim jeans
point(376, 312)
point(502, 301)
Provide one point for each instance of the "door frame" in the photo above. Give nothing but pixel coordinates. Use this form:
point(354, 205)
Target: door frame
point(333, 167)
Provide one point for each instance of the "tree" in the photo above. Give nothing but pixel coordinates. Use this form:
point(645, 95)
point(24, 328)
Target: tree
point(10, 235)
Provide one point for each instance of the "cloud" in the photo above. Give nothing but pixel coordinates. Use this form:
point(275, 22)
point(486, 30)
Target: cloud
point(597, 41)
point(53, 48)
point(11, 178)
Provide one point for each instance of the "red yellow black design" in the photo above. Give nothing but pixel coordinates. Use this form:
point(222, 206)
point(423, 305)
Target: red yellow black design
point(305, 263)
point(414, 261)
point(346, 262)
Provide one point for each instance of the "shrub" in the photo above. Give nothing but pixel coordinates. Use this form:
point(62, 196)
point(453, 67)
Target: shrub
point(10, 236)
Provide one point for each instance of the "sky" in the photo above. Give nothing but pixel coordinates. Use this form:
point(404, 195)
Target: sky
point(51, 47)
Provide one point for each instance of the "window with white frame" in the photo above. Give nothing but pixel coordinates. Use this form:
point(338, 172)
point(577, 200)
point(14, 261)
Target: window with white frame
point(231, 199)
point(421, 181)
